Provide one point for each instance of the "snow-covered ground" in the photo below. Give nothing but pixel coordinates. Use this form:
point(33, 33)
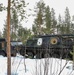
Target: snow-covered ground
point(48, 66)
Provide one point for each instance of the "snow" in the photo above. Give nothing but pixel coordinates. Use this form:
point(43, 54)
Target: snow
point(44, 66)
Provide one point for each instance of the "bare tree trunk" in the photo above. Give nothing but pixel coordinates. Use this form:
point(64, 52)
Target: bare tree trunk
point(8, 40)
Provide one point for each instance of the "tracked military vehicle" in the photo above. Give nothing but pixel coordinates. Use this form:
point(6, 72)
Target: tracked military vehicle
point(15, 47)
point(50, 45)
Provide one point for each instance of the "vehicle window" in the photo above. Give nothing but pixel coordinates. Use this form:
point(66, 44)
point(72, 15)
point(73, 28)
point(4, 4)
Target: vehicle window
point(16, 43)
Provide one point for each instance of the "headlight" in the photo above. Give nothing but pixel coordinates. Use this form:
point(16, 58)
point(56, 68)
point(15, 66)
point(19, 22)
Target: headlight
point(53, 41)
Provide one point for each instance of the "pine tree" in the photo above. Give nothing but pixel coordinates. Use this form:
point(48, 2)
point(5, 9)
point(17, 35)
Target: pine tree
point(60, 25)
point(2, 7)
point(17, 15)
point(53, 21)
point(72, 25)
point(47, 20)
point(38, 22)
point(23, 34)
point(14, 25)
point(4, 30)
point(19, 7)
point(67, 21)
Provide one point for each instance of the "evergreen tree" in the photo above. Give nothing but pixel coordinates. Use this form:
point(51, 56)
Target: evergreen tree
point(60, 25)
point(35, 27)
point(14, 25)
point(47, 20)
point(38, 22)
point(17, 15)
point(18, 7)
point(67, 24)
point(4, 30)
point(2, 7)
point(72, 25)
point(23, 34)
point(1, 34)
point(53, 21)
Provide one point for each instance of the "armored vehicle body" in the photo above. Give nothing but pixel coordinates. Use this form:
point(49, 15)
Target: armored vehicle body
point(50, 45)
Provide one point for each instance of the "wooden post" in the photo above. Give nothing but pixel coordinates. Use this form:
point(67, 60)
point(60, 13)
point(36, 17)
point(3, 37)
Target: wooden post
point(8, 40)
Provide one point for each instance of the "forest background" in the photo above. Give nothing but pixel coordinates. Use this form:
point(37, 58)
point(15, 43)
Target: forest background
point(45, 21)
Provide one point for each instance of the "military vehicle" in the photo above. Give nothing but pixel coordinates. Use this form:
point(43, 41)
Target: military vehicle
point(50, 45)
point(15, 47)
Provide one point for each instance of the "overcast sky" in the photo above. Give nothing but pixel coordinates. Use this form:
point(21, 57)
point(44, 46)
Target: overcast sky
point(58, 5)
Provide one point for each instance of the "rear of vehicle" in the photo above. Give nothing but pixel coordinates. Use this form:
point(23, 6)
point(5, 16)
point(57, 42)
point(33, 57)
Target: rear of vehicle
point(15, 47)
point(2, 47)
